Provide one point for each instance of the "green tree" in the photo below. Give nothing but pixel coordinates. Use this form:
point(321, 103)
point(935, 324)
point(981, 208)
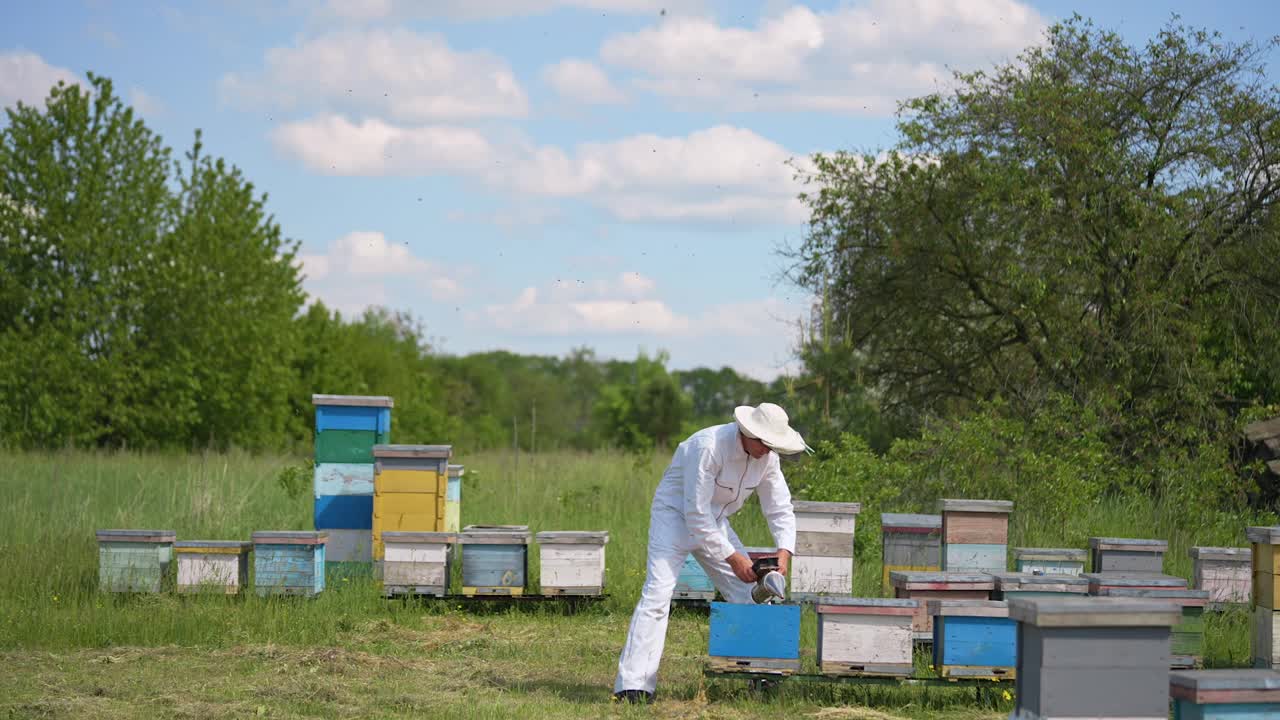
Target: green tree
point(646, 409)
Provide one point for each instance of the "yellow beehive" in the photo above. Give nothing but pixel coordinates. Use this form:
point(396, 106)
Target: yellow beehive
point(409, 486)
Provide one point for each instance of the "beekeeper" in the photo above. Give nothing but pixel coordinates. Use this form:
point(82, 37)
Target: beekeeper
point(710, 476)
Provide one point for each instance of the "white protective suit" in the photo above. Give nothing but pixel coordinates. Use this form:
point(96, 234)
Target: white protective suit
point(709, 479)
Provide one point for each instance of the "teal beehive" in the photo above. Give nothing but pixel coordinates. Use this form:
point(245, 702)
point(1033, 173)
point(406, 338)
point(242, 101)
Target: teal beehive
point(134, 561)
point(289, 562)
point(495, 559)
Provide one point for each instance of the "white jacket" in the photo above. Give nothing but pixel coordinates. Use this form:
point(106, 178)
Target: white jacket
point(709, 479)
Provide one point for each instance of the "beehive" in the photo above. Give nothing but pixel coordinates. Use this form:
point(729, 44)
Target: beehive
point(409, 487)
point(973, 639)
point(925, 586)
point(289, 562)
point(1224, 572)
point(1049, 561)
point(347, 428)
point(756, 638)
point(1100, 582)
point(134, 561)
point(571, 562)
point(1126, 555)
point(1265, 560)
point(865, 636)
point(693, 582)
point(1023, 584)
point(909, 543)
point(1092, 657)
point(823, 561)
point(975, 535)
point(1225, 694)
point(1187, 639)
point(453, 499)
point(216, 566)
point(495, 559)
point(416, 563)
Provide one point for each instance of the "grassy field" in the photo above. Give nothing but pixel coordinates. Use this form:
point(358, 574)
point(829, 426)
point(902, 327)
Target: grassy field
point(69, 651)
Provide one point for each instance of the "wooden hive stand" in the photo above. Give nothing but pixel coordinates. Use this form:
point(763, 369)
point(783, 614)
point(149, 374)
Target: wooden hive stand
point(1225, 694)
point(758, 638)
point(212, 566)
point(1187, 648)
point(571, 562)
point(925, 586)
point(347, 428)
point(495, 559)
point(973, 639)
point(823, 562)
point(909, 543)
point(865, 637)
point(1225, 572)
point(975, 535)
point(1265, 542)
point(134, 561)
point(289, 562)
point(1049, 561)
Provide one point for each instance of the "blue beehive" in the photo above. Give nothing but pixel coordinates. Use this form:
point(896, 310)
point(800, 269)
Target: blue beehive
point(289, 562)
point(347, 428)
point(757, 638)
point(495, 559)
point(974, 639)
point(693, 582)
point(1225, 694)
point(134, 561)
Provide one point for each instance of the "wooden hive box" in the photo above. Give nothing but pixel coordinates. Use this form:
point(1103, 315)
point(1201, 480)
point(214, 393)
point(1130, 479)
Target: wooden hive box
point(1187, 639)
point(1100, 582)
point(1093, 657)
point(975, 535)
point(409, 487)
point(348, 426)
point(973, 639)
point(909, 542)
point(572, 562)
point(754, 638)
point(134, 561)
point(1225, 694)
point(693, 582)
point(289, 562)
point(1224, 571)
point(1049, 561)
point(214, 566)
point(1023, 584)
point(495, 559)
point(925, 586)
point(1126, 555)
point(1265, 568)
point(865, 636)
point(417, 563)
point(823, 562)
point(453, 499)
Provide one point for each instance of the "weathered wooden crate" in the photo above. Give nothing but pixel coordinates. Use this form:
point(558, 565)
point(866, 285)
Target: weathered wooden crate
point(289, 562)
point(1225, 694)
point(417, 563)
point(1224, 571)
point(909, 542)
point(1025, 584)
point(212, 566)
point(759, 638)
point(925, 586)
point(975, 535)
point(865, 636)
point(1049, 561)
point(823, 562)
point(410, 483)
point(134, 561)
point(1187, 639)
point(1093, 657)
point(1126, 555)
point(1100, 582)
point(1265, 565)
point(453, 499)
point(572, 562)
point(495, 559)
point(693, 582)
point(973, 639)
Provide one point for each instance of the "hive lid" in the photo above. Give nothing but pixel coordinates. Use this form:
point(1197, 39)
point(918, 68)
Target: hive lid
point(1014, 580)
point(1068, 554)
point(290, 537)
point(845, 601)
point(213, 544)
point(833, 508)
point(140, 536)
point(353, 400)
point(1105, 543)
point(1150, 580)
point(1265, 535)
point(983, 506)
point(1094, 612)
point(413, 451)
point(969, 608)
point(457, 471)
point(925, 577)
point(497, 528)
point(573, 537)
point(1220, 553)
point(1183, 596)
point(494, 535)
point(419, 536)
point(911, 521)
point(1208, 686)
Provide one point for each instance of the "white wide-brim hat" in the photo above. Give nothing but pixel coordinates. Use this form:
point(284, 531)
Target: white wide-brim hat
point(768, 423)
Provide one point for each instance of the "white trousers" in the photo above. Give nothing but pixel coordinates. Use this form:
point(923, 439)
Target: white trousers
point(669, 544)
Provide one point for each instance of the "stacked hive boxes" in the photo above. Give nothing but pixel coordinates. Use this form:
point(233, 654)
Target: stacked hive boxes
point(347, 428)
point(134, 561)
point(1224, 572)
point(409, 486)
point(1100, 583)
point(975, 535)
point(453, 499)
point(756, 638)
point(217, 566)
point(1126, 555)
point(416, 563)
point(823, 562)
point(910, 543)
point(1024, 584)
point(1266, 621)
point(925, 586)
point(1049, 561)
point(865, 636)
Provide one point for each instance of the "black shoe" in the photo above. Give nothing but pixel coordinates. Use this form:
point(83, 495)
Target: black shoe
point(635, 697)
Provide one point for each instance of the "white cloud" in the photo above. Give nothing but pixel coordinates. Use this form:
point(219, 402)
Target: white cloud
point(621, 305)
point(859, 58)
point(366, 258)
point(583, 82)
point(145, 102)
point(399, 74)
point(377, 10)
point(25, 77)
point(334, 145)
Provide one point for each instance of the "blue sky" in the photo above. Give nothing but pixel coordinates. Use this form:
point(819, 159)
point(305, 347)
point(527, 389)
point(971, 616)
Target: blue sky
point(537, 175)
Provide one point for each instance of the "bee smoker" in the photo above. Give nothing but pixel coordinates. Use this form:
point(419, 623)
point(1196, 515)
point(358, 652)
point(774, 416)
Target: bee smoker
point(771, 586)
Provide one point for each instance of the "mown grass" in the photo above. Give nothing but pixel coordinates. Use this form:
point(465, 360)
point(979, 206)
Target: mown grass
point(70, 651)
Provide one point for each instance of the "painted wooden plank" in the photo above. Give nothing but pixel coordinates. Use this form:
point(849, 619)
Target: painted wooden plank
point(755, 631)
point(346, 446)
point(975, 528)
point(486, 565)
point(571, 566)
point(287, 537)
point(1202, 687)
point(453, 490)
point(409, 482)
point(353, 417)
point(349, 546)
point(343, 512)
point(988, 642)
point(415, 574)
point(1227, 580)
point(887, 585)
point(353, 400)
point(1266, 629)
point(693, 580)
point(974, 557)
point(408, 503)
point(915, 550)
point(136, 536)
point(342, 479)
point(452, 516)
point(824, 544)
point(911, 523)
point(853, 642)
point(819, 521)
point(822, 575)
point(1049, 567)
point(1127, 561)
point(386, 451)
point(946, 505)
